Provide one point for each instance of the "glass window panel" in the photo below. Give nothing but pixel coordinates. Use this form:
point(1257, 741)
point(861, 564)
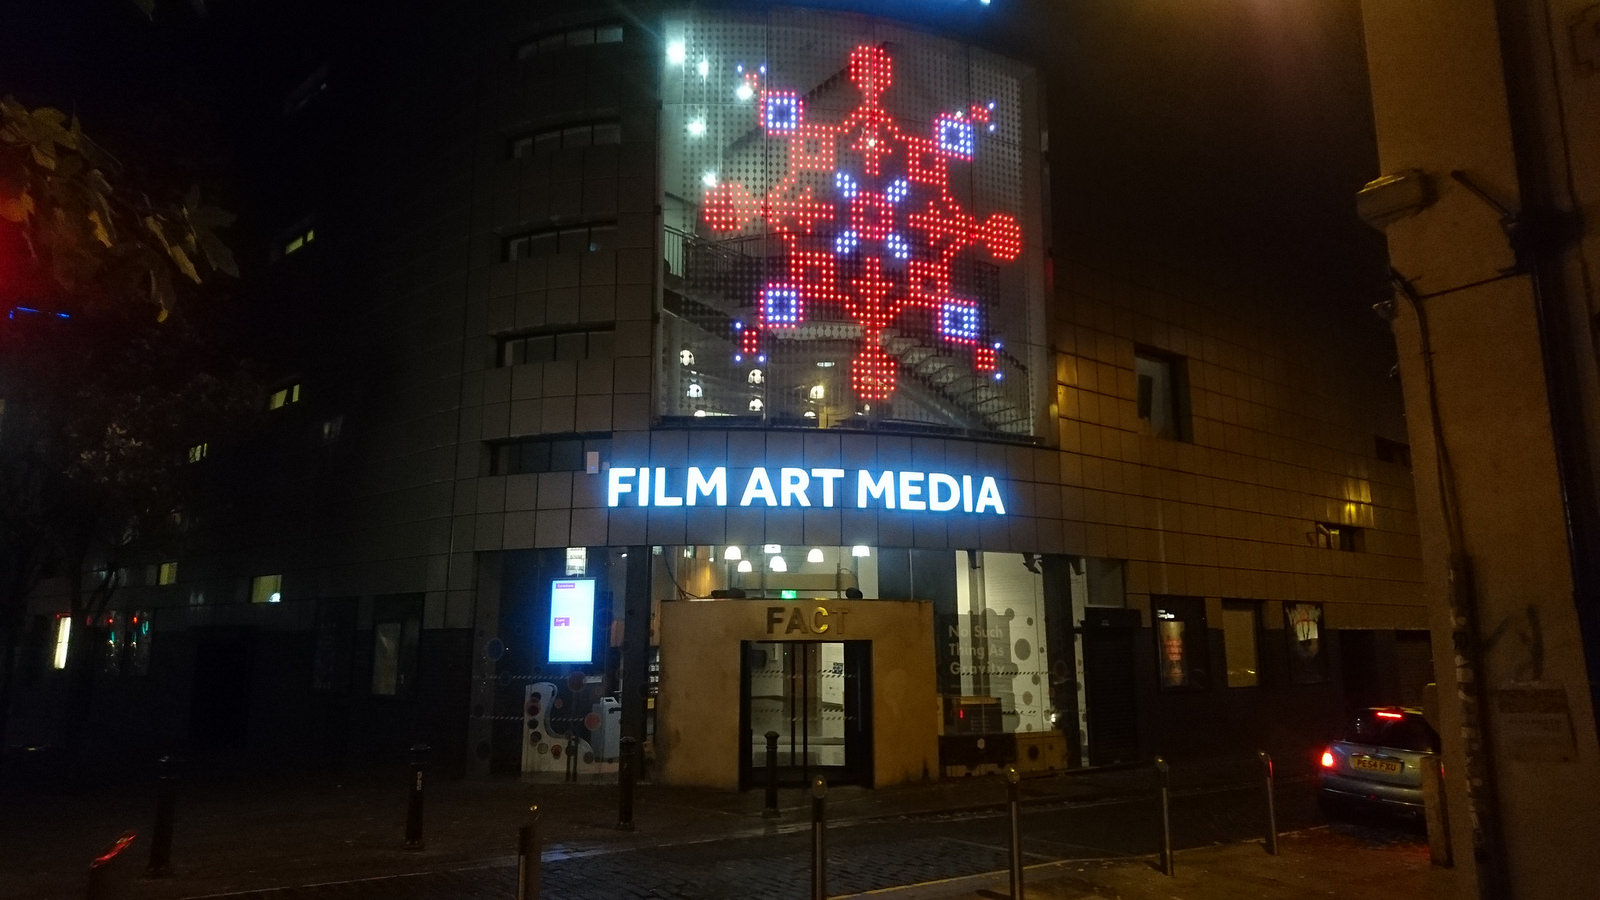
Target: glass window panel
point(535, 457)
point(1241, 627)
point(574, 240)
point(541, 348)
point(572, 346)
point(546, 141)
point(566, 456)
point(602, 237)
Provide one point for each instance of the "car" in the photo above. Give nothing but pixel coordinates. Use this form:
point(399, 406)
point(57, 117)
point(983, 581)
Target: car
point(1377, 763)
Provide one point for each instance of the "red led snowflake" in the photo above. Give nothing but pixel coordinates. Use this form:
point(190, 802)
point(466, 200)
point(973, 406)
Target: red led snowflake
point(894, 224)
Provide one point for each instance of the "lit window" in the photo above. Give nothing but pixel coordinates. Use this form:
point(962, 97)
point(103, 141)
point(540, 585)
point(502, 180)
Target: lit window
point(167, 573)
point(266, 589)
point(1163, 394)
point(1181, 654)
point(283, 397)
point(299, 240)
point(198, 452)
point(1241, 642)
point(1331, 536)
point(63, 638)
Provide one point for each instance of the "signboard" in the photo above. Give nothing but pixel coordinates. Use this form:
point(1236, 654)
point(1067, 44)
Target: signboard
point(572, 621)
point(800, 487)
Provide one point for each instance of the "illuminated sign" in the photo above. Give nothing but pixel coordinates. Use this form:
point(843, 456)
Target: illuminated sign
point(792, 487)
point(572, 621)
point(869, 223)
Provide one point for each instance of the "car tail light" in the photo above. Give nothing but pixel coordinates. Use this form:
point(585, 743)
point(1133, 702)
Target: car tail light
point(1327, 759)
point(1387, 714)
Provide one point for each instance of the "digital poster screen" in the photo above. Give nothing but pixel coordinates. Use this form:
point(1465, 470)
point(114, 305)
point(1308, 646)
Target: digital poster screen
point(852, 226)
point(572, 620)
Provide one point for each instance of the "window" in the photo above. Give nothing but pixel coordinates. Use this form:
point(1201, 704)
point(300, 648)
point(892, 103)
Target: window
point(589, 35)
point(294, 238)
point(58, 659)
point(266, 589)
point(570, 239)
point(335, 631)
point(548, 140)
point(167, 573)
point(396, 628)
point(1393, 451)
point(555, 346)
point(1241, 642)
point(1308, 657)
point(1180, 626)
point(1163, 394)
point(283, 397)
point(198, 452)
point(137, 649)
point(1331, 536)
point(567, 453)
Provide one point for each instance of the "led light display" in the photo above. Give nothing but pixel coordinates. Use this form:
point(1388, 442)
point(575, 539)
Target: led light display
point(855, 203)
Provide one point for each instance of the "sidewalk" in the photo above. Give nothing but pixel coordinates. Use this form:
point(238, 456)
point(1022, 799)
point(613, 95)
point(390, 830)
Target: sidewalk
point(1319, 862)
point(236, 835)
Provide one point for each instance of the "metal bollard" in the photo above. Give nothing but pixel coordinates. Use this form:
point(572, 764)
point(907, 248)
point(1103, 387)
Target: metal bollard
point(1165, 775)
point(771, 809)
point(1012, 802)
point(625, 778)
point(1272, 806)
point(161, 833)
point(572, 758)
point(108, 877)
point(419, 756)
point(819, 860)
point(528, 857)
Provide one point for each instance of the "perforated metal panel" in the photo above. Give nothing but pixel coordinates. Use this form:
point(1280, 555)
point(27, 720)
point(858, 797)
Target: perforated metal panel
point(850, 236)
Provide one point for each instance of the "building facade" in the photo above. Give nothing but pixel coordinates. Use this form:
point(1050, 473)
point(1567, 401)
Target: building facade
point(852, 378)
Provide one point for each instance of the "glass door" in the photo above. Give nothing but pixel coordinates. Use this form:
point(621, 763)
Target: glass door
point(814, 697)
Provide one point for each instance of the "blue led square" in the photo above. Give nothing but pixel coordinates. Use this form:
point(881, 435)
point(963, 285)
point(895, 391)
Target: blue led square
point(780, 306)
point(957, 137)
point(781, 112)
point(959, 321)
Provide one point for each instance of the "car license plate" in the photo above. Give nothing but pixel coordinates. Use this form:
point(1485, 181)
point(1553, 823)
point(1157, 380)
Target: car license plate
point(1374, 764)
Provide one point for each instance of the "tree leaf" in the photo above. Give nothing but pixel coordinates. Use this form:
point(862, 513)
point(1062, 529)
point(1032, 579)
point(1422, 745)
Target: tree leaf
point(97, 227)
point(217, 254)
point(17, 209)
point(181, 260)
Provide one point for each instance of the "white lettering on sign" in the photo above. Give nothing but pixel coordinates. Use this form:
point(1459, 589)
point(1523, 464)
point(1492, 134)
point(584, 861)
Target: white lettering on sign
point(793, 487)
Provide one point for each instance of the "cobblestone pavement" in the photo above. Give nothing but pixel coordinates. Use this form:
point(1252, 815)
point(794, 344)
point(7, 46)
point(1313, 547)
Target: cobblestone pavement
point(305, 840)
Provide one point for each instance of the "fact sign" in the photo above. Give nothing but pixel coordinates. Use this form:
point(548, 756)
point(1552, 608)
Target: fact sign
point(802, 487)
point(572, 620)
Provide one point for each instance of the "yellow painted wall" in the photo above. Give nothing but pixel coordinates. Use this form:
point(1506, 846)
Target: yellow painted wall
point(697, 739)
